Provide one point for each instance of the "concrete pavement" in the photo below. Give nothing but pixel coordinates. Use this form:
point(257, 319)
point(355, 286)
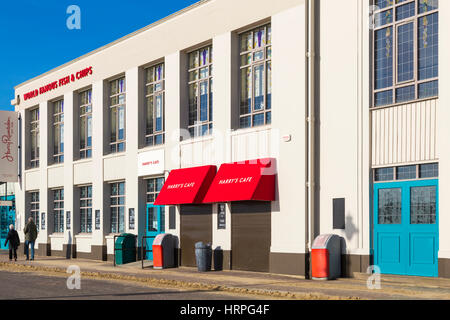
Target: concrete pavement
point(242, 282)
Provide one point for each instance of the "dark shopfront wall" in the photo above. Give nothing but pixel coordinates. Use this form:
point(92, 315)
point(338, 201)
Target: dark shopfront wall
point(196, 225)
point(250, 235)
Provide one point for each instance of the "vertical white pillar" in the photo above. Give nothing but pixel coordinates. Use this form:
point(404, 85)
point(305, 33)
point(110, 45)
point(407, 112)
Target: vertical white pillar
point(44, 118)
point(98, 198)
point(69, 238)
point(132, 128)
point(172, 121)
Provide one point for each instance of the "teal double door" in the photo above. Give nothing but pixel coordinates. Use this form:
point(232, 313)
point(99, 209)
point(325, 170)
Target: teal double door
point(406, 227)
point(7, 217)
point(155, 225)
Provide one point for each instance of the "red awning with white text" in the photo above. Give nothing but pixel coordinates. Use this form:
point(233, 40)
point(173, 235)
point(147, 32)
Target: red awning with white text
point(243, 181)
point(186, 186)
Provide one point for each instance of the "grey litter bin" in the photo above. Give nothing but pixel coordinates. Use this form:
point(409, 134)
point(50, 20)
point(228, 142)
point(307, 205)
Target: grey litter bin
point(203, 256)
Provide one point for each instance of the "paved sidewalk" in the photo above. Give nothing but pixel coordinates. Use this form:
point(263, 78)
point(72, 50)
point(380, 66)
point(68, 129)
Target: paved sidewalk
point(277, 286)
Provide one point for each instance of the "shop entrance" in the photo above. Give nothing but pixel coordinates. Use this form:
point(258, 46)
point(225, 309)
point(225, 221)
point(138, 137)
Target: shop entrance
point(406, 227)
point(155, 225)
point(250, 236)
point(7, 217)
point(196, 225)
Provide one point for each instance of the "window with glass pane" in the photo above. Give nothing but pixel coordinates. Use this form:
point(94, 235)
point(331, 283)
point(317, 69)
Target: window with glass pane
point(86, 124)
point(154, 186)
point(390, 206)
point(58, 131)
point(86, 209)
point(423, 205)
point(200, 92)
point(256, 77)
point(430, 170)
point(117, 206)
point(406, 51)
point(117, 115)
point(384, 174)
point(407, 173)
point(154, 105)
point(58, 210)
point(34, 138)
point(34, 207)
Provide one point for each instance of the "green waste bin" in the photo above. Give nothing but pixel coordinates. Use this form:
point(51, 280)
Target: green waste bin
point(125, 248)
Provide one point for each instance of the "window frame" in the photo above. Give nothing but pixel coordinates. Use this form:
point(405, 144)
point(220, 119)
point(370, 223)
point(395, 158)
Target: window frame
point(153, 136)
point(58, 129)
point(118, 206)
point(395, 173)
point(58, 211)
point(255, 63)
point(114, 146)
point(34, 134)
point(34, 212)
point(394, 24)
point(86, 208)
point(86, 152)
point(195, 130)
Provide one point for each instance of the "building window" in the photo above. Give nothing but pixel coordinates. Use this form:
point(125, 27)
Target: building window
point(256, 77)
point(58, 131)
point(86, 209)
point(34, 207)
point(86, 124)
point(413, 172)
point(34, 137)
point(405, 51)
point(58, 210)
point(154, 186)
point(200, 92)
point(117, 207)
point(117, 114)
point(155, 105)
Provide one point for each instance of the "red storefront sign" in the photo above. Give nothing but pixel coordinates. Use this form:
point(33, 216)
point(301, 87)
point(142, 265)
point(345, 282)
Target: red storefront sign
point(59, 83)
point(242, 181)
point(186, 186)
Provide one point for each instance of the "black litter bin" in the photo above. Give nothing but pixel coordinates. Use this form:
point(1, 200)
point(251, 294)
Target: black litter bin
point(203, 256)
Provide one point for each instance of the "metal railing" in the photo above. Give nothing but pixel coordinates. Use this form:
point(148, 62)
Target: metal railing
point(125, 249)
point(144, 251)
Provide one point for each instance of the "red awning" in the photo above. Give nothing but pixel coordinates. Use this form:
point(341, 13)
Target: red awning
point(242, 181)
point(184, 186)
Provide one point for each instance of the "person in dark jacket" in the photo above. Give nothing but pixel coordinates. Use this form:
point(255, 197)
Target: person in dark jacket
point(30, 231)
point(14, 242)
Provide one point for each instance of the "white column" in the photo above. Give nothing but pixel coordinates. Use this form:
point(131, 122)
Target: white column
point(44, 118)
point(132, 134)
point(68, 168)
point(98, 201)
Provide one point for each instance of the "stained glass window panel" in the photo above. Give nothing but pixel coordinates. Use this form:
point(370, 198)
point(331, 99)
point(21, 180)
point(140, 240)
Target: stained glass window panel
point(405, 11)
point(383, 58)
point(405, 94)
point(390, 206)
point(423, 205)
point(428, 89)
point(428, 5)
point(405, 55)
point(383, 98)
point(259, 87)
point(428, 47)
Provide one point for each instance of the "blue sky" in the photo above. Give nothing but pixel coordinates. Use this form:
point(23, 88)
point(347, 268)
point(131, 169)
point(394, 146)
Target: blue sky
point(36, 39)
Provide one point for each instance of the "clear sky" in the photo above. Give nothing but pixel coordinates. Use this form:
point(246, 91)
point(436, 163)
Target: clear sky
point(35, 37)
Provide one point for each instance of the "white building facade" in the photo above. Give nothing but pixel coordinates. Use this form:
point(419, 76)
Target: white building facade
point(349, 113)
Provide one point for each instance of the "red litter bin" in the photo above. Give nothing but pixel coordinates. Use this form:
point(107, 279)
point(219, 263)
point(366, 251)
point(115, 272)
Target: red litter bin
point(326, 257)
point(163, 251)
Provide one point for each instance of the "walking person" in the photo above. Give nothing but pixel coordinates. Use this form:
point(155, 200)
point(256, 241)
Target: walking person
point(30, 231)
point(14, 242)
